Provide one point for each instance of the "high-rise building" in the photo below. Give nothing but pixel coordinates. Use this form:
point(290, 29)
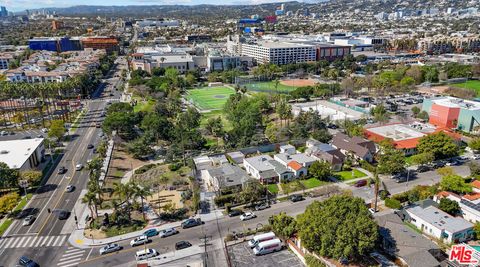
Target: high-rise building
point(3, 12)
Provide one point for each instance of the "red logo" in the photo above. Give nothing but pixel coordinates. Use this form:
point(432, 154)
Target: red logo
point(462, 254)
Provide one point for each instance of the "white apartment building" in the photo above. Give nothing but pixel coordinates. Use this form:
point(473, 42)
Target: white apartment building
point(280, 53)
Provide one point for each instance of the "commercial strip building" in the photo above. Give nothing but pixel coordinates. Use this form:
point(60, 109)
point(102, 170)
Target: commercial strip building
point(62, 44)
point(451, 112)
point(24, 154)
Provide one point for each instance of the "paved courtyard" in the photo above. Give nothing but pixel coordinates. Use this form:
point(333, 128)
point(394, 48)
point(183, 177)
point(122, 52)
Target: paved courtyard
point(242, 255)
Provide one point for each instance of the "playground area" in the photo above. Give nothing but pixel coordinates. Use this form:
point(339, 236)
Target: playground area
point(209, 98)
point(160, 200)
point(284, 86)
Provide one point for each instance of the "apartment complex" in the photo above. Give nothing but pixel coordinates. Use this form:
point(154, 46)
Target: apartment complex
point(280, 53)
point(449, 44)
point(55, 44)
point(5, 59)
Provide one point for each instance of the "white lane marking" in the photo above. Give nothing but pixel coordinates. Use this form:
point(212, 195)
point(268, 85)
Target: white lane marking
point(24, 244)
point(88, 256)
point(72, 254)
point(38, 241)
point(32, 241)
point(61, 241)
point(50, 241)
point(45, 240)
point(70, 261)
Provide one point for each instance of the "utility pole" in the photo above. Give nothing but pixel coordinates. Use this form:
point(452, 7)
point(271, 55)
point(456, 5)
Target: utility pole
point(204, 238)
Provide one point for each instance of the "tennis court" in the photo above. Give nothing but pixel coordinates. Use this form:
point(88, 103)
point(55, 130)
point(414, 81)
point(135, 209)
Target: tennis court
point(209, 98)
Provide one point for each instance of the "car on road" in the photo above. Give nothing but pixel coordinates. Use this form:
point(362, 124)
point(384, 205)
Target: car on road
point(98, 125)
point(360, 183)
point(423, 168)
point(70, 188)
point(143, 239)
point(39, 136)
point(296, 198)
point(372, 210)
point(476, 157)
point(262, 206)
point(191, 223)
point(61, 170)
point(168, 232)
point(63, 214)
point(2, 133)
point(247, 216)
point(27, 262)
point(151, 232)
point(234, 213)
point(90, 146)
point(79, 167)
point(110, 248)
point(146, 254)
point(453, 162)
point(182, 245)
point(44, 130)
point(438, 164)
point(28, 220)
point(27, 137)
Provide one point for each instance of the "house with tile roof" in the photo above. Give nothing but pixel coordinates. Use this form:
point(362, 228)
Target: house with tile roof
point(469, 204)
point(360, 148)
point(298, 169)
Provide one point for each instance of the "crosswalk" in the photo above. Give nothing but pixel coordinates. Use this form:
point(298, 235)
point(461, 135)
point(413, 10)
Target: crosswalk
point(32, 241)
point(71, 257)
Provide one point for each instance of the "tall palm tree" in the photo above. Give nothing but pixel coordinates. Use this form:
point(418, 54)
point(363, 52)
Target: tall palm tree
point(377, 188)
point(90, 198)
point(142, 193)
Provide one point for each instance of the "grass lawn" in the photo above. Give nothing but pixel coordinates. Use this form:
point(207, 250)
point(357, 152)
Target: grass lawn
point(214, 114)
point(144, 105)
point(347, 175)
point(209, 98)
point(313, 182)
point(309, 183)
point(4, 226)
point(472, 85)
point(273, 188)
point(23, 202)
point(269, 87)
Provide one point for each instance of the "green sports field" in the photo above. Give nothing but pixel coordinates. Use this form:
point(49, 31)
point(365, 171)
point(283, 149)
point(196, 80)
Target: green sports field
point(472, 85)
point(209, 98)
point(269, 87)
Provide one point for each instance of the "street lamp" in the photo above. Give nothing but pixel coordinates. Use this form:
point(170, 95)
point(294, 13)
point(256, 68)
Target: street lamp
point(93, 239)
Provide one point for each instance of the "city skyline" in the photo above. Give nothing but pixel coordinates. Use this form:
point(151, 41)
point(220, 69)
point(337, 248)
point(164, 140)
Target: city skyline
point(21, 5)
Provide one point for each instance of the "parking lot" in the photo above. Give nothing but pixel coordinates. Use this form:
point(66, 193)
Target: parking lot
point(242, 255)
point(22, 134)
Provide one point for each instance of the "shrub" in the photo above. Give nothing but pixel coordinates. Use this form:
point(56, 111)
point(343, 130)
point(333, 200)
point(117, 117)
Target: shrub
point(222, 200)
point(367, 166)
point(393, 203)
point(383, 194)
point(144, 168)
point(312, 261)
point(174, 166)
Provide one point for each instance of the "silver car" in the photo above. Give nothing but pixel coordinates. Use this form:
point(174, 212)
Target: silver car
point(143, 239)
point(168, 232)
point(110, 248)
point(28, 220)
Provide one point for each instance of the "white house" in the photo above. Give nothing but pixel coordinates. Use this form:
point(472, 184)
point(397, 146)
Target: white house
point(266, 169)
point(469, 204)
point(439, 224)
point(288, 149)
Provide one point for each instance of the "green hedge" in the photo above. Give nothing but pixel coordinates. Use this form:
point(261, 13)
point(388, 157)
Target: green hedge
point(367, 166)
point(222, 200)
point(312, 261)
point(393, 203)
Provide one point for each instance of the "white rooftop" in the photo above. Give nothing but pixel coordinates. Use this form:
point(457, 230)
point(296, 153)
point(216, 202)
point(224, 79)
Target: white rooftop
point(453, 102)
point(270, 44)
point(15, 152)
point(397, 132)
point(440, 219)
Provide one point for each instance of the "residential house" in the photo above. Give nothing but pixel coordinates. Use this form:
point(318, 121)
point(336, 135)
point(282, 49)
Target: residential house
point(325, 152)
point(236, 156)
point(288, 149)
point(439, 224)
point(266, 169)
point(408, 246)
point(360, 148)
point(225, 177)
point(298, 163)
point(469, 204)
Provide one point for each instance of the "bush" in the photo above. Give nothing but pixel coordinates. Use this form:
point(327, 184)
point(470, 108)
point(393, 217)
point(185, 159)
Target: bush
point(174, 166)
point(144, 168)
point(393, 203)
point(383, 194)
point(222, 200)
point(312, 261)
point(367, 166)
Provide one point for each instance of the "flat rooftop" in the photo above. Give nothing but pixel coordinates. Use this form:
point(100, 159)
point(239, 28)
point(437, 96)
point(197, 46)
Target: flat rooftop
point(271, 44)
point(397, 132)
point(15, 152)
point(440, 219)
point(454, 102)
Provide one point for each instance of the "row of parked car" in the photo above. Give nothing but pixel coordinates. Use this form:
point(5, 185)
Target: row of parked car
point(265, 243)
point(247, 215)
point(145, 239)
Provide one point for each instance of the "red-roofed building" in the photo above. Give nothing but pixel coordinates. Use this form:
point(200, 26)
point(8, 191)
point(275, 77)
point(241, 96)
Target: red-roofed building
point(405, 136)
point(297, 168)
point(476, 186)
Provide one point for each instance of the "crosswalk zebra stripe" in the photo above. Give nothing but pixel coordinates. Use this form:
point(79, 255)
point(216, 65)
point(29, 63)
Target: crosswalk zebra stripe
point(59, 241)
point(69, 262)
point(25, 242)
point(3, 240)
point(32, 241)
point(45, 240)
point(16, 242)
point(73, 254)
point(38, 242)
point(9, 241)
point(50, 241)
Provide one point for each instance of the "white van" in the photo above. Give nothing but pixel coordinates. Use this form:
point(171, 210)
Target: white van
point(268, 247)
point(260, 238)
point(145, 254)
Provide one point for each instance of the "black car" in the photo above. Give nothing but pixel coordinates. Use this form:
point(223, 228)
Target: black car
point(90, 146)
point(182, 244)
point(438, 164)
point(26, 262)
point(423, 168)
point(234, 213)
point(191, 223)
point(62, 170)
point(63, 214)
point(296, 198)
point(27, 137)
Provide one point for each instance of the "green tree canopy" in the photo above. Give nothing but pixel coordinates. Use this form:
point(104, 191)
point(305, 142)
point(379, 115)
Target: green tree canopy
point(57, 129)
point(9, 176)
point(320, 170)
point(423, 158)
point(339, 227)
point(283, 225)
point(449, 206)
point(390, 160)
point(455, 183)
point(119, 107)
point(252, 191)
point(475, 144)
point(31, 176)
point(440, 145)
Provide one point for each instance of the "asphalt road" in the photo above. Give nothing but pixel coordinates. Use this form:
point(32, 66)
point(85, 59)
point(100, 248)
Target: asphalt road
point(45, 240)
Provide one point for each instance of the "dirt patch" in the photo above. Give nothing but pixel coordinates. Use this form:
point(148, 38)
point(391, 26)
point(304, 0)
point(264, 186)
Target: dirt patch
point(96, 234)
point(158, 200)
point(299, 82)
point(120, 164)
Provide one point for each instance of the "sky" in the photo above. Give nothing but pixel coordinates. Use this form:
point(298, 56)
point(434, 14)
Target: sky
point(20, 5)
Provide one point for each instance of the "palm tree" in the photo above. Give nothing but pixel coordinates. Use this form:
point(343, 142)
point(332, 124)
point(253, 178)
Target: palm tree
point(377, 187)
point(124, 192)
point(90, 198)
point(142, 193)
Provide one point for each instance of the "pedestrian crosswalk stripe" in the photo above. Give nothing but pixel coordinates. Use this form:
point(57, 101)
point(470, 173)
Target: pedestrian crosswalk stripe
point(74, 254)
point(44, 241)
point(2, 241)
point(38, 242)
point(50, 241)
point(71, 257)
point(24, 244)
point(9, 241)
point(17, 240)
point(32, 241)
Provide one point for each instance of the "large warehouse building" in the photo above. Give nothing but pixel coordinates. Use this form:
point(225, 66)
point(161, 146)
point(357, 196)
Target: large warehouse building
point(451, 112)
point(23, 154)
